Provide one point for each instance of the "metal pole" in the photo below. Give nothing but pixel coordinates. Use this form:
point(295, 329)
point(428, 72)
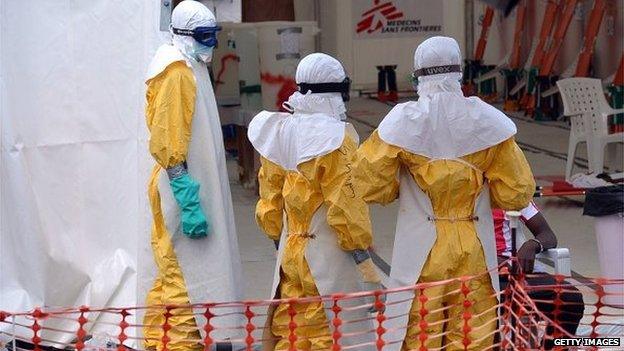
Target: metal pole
point(469, 29)
point(14, 333)
point(317, 18)
point(514, 221)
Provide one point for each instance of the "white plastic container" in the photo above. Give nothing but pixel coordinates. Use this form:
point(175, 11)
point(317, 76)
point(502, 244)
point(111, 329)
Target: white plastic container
point(610, 241)
point(246, 36)
point(281, 46)
point(225, 67)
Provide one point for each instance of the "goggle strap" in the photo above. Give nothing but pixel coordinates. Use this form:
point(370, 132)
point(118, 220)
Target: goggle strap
point(191, 32)
point(318, 88)
point(429, 71)
point(187, 32)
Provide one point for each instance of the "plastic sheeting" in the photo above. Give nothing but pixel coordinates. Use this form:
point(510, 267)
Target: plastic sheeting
point(74, 220)
point(225, 11)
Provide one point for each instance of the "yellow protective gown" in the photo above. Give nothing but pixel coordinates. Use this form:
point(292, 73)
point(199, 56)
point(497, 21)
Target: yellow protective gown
point(324, 180)
point(169, 111)
point(453, 187)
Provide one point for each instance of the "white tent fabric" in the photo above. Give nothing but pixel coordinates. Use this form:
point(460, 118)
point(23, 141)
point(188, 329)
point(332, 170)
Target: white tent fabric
point(74, 219)
point(226, 11)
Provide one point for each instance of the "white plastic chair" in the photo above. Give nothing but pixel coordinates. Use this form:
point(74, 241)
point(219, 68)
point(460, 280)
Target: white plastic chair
point(560, 256)
point(585, 103)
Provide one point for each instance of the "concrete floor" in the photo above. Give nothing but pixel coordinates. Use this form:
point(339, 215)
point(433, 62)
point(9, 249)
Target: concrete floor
point(545, 145)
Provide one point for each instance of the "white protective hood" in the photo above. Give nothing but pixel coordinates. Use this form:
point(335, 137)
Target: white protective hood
point(289, 140)
point(315, 128)
point(190, 14)
point(443, 123)
point(165, 55)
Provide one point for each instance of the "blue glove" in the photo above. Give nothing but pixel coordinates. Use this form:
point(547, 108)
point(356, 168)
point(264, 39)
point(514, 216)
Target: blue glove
point(186, 192)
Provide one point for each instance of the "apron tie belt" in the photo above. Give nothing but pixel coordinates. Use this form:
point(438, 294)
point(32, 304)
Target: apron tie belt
point(304, 235)
point(472, 218)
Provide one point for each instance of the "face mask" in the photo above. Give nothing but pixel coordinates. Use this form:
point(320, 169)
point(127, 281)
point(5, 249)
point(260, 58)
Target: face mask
point(202, 52)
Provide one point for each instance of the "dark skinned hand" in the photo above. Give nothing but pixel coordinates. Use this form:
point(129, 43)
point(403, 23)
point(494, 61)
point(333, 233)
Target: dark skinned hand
point(526, 256)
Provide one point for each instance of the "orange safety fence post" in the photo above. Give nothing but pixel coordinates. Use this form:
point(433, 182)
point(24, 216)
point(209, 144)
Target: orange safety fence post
point(423, 312)
point(505, 330)
point(81, 333)
point(380, 306)
point(514, 220)
point(166, 327)
point(36, 327)
point(292, 325)
point(249, 340)
point(557, 304)
point(467, 315)
point(208, 328)
point(123, 325)
point(336, 322)
point(518, 320)
point(599, 304)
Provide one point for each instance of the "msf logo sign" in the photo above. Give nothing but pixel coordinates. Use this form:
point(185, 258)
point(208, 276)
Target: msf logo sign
point(373, 19)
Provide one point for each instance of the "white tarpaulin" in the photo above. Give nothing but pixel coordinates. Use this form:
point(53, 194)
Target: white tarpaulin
point(74, 220)
point(225, 10)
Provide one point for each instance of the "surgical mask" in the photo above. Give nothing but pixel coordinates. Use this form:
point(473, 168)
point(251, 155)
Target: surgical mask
point(202, 52)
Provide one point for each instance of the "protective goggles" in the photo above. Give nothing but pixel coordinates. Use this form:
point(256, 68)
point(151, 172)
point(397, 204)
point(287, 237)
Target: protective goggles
point(429, 71)
point(204, 35)
point(317, 88)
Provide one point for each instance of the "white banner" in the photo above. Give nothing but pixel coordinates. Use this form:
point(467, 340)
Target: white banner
point(74, 161)
point(379, 19)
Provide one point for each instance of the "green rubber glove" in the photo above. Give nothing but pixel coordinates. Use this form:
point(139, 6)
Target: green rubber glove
point(186, 192)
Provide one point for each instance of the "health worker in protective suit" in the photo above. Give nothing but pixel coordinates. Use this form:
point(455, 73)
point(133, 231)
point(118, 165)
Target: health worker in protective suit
point(193, 237)
point(450, 158)
point(311, 207)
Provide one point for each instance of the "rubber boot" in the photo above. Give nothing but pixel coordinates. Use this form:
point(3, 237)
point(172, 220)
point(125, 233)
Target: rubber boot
point(381, 83)
point(224, 346)
point(392, 83)
point(546, 108)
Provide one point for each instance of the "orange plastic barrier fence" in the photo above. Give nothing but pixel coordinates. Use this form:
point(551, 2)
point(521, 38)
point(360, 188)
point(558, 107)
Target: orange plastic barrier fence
point(530, 316)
